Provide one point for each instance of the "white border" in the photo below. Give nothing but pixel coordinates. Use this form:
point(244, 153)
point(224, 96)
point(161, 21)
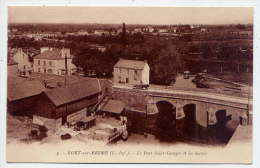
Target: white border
point(183, 3)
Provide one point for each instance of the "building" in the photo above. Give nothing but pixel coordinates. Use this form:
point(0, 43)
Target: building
point(97, 47)
point(162, 30)
point(114, 108)
point(131, 72)
point(69, 104)
point(52, 61)
point(23, 61)
point(138, 30)
point(22, 95)
point(12, 69)
point(101, 32)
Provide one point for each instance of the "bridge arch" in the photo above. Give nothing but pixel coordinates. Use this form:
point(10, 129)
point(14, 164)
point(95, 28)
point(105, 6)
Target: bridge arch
point(166, 115)
point(190, 112)
point(224, 127)
point(221, 117)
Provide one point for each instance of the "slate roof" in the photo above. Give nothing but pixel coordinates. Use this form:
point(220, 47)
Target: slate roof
point(74, 92)
point(19, 88)
point(131, 64)
point(54, 54)
point(114, 106)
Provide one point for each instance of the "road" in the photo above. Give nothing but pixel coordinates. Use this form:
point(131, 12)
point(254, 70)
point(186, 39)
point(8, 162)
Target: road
point(190, 92)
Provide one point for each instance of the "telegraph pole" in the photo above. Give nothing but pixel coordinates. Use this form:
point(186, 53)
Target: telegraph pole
point(66, 69)
point(66, 73)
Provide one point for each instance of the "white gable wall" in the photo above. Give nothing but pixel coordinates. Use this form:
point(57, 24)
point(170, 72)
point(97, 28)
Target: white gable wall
point(146, 75)
point(23, 61)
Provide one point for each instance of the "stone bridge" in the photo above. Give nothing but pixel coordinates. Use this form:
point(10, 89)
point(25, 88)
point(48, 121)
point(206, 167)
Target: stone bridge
point(206, 106)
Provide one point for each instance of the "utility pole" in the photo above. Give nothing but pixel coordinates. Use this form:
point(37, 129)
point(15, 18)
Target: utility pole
point(66, 68)
point(66, 73)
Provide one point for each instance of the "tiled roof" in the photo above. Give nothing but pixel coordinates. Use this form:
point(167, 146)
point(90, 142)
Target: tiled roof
point(19, 88)
point(132, 64)
point(54, 54)
point(114, 106)
point(74, 92)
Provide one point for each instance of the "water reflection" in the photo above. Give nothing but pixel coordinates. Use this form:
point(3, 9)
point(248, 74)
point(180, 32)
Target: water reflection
point(166, 121)
point(166, 128)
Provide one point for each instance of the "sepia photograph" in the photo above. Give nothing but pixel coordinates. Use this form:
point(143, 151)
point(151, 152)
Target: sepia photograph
point(129, 84)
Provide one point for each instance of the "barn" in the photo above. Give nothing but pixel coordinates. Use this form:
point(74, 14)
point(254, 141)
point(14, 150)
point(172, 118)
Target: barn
point(69, 104)
point(22, 95)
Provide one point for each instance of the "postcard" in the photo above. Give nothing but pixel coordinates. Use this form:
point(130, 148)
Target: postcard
point(129, 84)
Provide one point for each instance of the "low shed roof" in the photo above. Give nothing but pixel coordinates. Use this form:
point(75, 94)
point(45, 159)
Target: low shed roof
point(19, 88)
point(76, 91)
point(114, 106)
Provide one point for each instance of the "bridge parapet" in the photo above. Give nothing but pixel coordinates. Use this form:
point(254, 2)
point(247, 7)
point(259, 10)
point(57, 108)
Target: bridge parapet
point(207, 104)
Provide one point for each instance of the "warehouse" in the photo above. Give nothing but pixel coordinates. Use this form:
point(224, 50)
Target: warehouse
point(67, 105)
point(22, 95)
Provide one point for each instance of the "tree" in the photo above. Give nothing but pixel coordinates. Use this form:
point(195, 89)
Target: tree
point(167, 66)
point(207, 51)
point(123, 35)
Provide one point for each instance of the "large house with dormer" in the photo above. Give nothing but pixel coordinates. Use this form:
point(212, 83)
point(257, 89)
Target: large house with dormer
point(52, 61)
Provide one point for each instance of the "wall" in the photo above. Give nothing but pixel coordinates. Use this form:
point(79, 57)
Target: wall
point(133, 97)
point(121, 74)
point(44, 107)
point(56, 66)
point(75, 106)
point(146, 74)
point(23, 60)
point(23, 107)
point(130, 98)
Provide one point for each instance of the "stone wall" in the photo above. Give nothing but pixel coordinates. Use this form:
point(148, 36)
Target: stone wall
point(205, 111)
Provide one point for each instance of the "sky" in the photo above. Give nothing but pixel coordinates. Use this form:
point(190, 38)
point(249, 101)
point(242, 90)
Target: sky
point(131, 15)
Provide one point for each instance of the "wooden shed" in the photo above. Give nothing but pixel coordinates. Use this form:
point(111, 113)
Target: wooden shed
point(68, 104)
point(22, 95)
point(114, 108)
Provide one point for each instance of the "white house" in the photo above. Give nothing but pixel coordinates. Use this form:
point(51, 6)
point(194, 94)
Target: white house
point(52, 61)
point(162, 30)
point(131, 72)
point(22, 59)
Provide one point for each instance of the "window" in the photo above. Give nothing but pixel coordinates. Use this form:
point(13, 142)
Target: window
point(135, 75)
point(44, 70)
point(44, 63)
point(39, 69)
point(39, 62)
point(50, 63)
